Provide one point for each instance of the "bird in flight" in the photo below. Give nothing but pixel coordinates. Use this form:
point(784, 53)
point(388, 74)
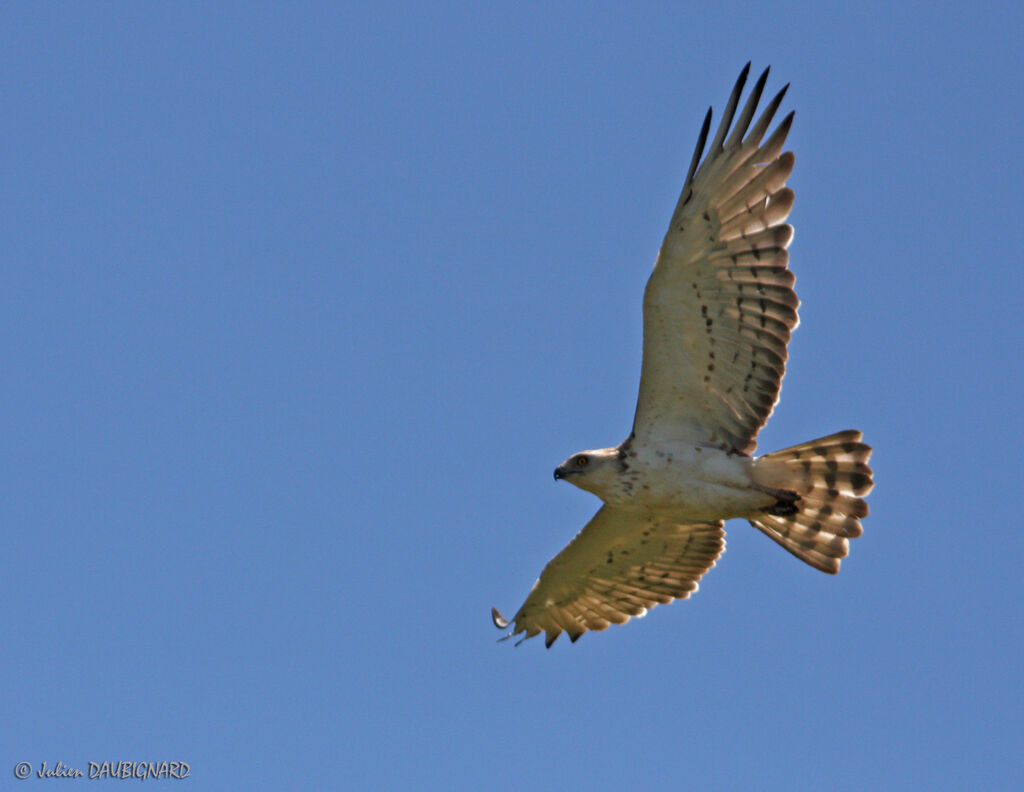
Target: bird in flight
point(718, 311)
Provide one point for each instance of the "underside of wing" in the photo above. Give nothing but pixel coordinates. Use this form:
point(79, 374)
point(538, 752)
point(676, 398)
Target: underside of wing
point(619, 566)
point(719, 307)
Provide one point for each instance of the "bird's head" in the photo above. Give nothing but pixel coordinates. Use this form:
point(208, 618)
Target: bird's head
point(593, 471)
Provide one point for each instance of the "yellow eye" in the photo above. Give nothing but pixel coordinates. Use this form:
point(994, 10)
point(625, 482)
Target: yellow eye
point(581, 461)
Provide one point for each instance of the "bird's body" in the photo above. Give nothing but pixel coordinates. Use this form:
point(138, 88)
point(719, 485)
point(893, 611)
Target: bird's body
point(687, 480)
point(719, 309)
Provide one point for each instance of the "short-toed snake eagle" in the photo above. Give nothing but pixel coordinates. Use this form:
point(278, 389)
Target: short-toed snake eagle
point(718, 311)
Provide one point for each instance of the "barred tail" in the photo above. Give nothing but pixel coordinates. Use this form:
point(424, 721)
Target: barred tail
point(826, 476)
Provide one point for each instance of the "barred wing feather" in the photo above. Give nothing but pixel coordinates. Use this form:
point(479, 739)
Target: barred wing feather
point(619, 566)
point(719, 306)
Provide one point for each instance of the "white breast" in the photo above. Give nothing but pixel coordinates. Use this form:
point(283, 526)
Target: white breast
point(695, 482)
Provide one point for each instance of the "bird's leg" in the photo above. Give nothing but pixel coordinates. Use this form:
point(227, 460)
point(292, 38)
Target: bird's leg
point(785, 501)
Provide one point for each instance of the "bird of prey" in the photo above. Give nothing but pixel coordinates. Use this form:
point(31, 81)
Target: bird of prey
point(718, 311)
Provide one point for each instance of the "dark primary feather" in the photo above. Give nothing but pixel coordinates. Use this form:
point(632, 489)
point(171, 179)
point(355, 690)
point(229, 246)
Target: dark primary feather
point(730, 109)
point(748, 110)
point(699, 150)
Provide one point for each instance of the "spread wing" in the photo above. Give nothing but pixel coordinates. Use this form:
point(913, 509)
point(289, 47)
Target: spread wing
point(620, 565)
point(720, 305)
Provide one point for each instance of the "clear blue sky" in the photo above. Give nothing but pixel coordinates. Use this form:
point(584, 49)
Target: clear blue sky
point(302, 303)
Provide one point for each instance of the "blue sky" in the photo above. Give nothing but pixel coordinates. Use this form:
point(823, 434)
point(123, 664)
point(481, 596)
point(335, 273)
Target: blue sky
point(302, 303)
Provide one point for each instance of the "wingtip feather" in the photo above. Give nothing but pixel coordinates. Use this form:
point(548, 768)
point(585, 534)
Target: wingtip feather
point(730, 112)
point(698, 150)
point(743, 122)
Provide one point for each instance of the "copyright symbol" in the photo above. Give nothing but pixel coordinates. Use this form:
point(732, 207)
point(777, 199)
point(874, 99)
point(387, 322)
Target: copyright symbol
point(22, 770)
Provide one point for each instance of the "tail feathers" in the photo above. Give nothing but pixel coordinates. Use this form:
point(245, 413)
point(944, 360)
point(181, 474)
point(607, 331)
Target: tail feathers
point(828, 476)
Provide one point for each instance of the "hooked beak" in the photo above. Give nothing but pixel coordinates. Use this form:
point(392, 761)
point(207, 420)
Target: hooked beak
point(562, 472)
